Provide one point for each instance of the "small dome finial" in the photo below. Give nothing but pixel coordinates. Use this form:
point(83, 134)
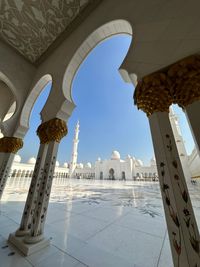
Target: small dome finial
point(115, 155)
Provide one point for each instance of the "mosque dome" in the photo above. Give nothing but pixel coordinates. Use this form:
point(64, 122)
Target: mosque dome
point(57, 164)
point(89, 165)
point(17, 159)
point(138, 162)
point(115, 155)
point(80, 165)
point(99, 159)
point(32, 160)
point(65, 165)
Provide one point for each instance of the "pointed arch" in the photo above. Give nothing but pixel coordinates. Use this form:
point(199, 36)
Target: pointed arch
point(103, 32)
point(31, 99)
point(9, 99)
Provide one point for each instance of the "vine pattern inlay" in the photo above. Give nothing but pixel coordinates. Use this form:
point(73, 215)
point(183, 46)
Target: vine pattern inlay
point(186, 213)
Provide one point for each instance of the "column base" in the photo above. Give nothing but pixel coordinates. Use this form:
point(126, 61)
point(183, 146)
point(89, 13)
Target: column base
point(33, 239)
point(27, 249)
point(20, 233)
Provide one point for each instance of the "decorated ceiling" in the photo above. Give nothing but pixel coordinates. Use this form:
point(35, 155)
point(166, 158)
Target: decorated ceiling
point(32, 26)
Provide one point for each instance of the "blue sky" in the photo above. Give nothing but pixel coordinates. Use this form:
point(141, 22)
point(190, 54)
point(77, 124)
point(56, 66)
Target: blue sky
point(108, 119)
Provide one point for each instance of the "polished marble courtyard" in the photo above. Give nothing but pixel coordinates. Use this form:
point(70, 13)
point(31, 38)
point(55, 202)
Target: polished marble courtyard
point(93, 223)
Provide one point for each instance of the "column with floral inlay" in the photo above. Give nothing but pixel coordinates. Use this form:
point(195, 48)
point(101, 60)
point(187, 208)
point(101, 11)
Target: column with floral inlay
point(29, 208)
point(153, 96)
point(55, 130)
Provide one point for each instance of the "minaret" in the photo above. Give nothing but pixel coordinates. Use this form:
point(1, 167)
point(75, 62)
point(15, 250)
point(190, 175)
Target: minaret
point(74, 152)
point(180, 143)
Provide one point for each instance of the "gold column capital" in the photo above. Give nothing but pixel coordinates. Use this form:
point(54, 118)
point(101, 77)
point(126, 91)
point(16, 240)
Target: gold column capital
point(185, 80)
point(10, 144)
point(52, 130)
point(152, 93)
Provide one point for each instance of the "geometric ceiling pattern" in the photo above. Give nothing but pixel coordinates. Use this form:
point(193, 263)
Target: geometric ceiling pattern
point(31, 26)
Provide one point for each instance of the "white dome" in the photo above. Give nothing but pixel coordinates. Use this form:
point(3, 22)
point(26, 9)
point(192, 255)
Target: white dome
point(32, 160)
point(115, 155)
point(57, 164)
point(17, 159)
point(80, 165)
point(99, 159)
point(65, 165)
point(89, 165)
point(139, 162)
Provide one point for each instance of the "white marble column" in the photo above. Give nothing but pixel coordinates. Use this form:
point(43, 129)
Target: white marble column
point(5, 170)
point(39, 217)
point(192, 112)
point(25, 225)
point(182, 227)
point(154, 94)
point(50, 133)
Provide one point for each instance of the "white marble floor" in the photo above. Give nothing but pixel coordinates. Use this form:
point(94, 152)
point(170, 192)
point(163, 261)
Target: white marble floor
point(93, 223)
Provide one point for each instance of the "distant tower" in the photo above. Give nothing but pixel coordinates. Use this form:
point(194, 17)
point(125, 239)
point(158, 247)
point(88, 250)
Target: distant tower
point(180, 143)
point(74, 152)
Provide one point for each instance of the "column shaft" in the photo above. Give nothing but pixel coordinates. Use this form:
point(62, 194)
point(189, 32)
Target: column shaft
point(182, 228)
point(26, 220)
point(5, 170)
point(39, 216)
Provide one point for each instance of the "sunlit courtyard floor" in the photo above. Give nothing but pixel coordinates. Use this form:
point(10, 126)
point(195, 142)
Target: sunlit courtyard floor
point(93, 223)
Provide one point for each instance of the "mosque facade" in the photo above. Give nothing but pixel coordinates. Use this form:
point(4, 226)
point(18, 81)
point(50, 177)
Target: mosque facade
point(115, 168)
point(124, 169)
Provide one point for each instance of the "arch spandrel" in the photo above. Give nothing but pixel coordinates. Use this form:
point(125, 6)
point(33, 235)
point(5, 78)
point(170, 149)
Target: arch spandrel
point(18, 125)
point(57, 105)
point(60, 103)
point(16, 69)
point(32, 97)
point(7, 98)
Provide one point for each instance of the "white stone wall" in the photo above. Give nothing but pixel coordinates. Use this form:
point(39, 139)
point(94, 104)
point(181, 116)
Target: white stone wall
point(119, 166)
point(19, 169)
point(146, 171)
point(128, 166)
point(85, 172)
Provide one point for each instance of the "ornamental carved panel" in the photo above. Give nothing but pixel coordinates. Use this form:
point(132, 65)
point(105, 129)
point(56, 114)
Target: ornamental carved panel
point(31, 26)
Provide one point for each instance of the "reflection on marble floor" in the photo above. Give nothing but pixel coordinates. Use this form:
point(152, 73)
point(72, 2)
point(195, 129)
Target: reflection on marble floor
point(94, 223)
